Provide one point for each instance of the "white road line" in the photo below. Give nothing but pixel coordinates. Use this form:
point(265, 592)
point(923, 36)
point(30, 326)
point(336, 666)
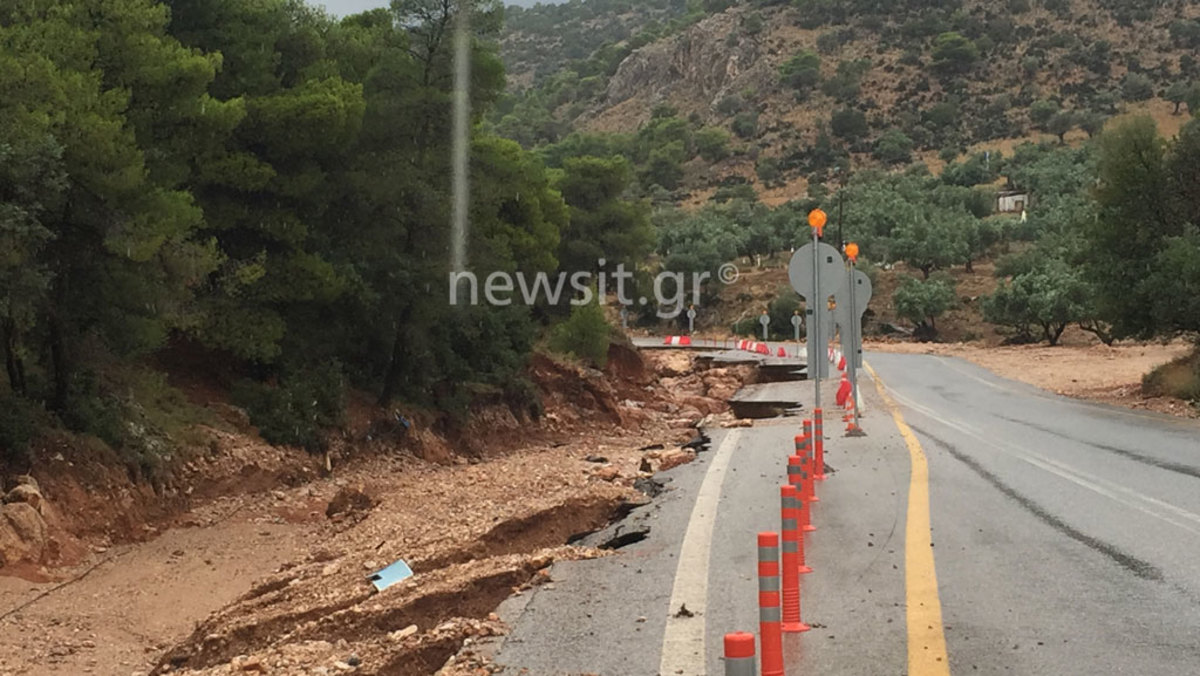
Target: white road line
point(1143, 503)
point(683, 650)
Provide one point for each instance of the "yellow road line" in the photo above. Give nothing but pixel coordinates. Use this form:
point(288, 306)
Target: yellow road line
point(926, 635)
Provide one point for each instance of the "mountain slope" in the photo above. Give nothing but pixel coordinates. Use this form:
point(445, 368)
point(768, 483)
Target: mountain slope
point(808, 88)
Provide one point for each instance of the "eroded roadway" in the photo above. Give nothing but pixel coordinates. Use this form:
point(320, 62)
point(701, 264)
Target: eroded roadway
point(1065, 539)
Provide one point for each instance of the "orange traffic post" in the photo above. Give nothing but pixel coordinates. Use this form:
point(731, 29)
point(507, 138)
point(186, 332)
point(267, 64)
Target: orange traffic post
point(739, 654)
point(793, 544)
point(801, 479)
point(806, 487)
point(794, 465)
point(770, 618)
point(819, 445)
point(791, 517)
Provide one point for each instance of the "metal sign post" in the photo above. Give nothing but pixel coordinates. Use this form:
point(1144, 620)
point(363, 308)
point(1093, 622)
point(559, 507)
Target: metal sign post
point(817, 220)
point(854, 296)
point(796, 322)
point(816, 272)
point(691, 315)
point(765, 320)
point(624, 317)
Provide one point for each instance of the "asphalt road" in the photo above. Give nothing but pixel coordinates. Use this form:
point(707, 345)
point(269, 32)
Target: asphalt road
point(1060, 538)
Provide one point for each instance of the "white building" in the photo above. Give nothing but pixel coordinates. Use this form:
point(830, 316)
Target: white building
point(1012, 202)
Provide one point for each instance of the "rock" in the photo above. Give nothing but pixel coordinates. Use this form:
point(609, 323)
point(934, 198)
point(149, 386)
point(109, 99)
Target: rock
point(27, 493)
point(404, 633)
point(349, 500)
point(599, 459)
point(353, 660)
point(248, 663)
point(28, 480)
point(23, 534)
point(607, 473)
point(704, 405)
point(648, 486)
point(672, 459)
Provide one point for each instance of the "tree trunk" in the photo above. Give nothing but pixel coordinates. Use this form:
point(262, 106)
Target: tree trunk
point(12, 363)
point(1055, 334)
point(970, 266)
point(1097, 329)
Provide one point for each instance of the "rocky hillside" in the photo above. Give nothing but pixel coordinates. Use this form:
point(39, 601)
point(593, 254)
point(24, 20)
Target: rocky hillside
point(807, 88)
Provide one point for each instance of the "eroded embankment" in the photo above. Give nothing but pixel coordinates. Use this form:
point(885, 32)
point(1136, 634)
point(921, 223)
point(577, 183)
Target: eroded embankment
point(478, 517)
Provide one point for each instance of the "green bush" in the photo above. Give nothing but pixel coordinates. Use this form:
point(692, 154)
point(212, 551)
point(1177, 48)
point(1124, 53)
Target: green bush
point(849, 124)
point(745, 125)
point(1136, 87)
point(712, 144)
point(954, 53)
point(894, 147)
point(802, 72)
point(730, 105)
point(299, 411)
point(922, 302)
point(768, 171)
point(585, 334)
point(90, 409)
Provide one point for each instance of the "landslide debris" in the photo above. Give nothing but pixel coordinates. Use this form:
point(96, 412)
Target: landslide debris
point(473, 532)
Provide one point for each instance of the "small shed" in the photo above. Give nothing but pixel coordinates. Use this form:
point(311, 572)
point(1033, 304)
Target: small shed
point(1012, 201)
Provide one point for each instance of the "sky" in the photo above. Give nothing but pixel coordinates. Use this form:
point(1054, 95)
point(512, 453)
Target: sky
point(347, 7)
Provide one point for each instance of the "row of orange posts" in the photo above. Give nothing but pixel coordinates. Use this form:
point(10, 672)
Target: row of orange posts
point(781, 560)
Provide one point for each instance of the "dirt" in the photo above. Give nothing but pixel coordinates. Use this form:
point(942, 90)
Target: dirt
point(1111, 375)
point(275, 579)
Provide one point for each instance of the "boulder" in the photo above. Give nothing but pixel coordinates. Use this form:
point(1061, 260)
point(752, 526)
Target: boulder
point(27, 494)
point(675, 458)
point(23, 535)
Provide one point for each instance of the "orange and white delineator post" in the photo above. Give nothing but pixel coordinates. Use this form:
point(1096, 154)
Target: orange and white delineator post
point(770, 616)
point(739, 654)
point(792, 559)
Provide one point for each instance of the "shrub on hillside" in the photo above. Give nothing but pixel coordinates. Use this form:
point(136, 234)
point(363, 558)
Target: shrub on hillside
point(802, 72)
point(585, 334)
point(300, 410)
point(712, 144)
point(745, 125)
point(953, 53)
point(894, 147)
point(1136, 87)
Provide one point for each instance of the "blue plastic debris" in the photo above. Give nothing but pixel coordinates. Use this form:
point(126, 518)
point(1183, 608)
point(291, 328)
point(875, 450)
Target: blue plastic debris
point(397, 572)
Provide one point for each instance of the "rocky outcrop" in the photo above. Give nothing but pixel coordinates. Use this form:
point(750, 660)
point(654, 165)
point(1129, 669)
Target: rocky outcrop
point(701, 61)
point(23, 531)
point(23, 536)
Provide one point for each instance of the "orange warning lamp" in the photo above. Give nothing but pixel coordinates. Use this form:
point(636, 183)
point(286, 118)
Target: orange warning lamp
point(817, 219)
point(852, 251)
